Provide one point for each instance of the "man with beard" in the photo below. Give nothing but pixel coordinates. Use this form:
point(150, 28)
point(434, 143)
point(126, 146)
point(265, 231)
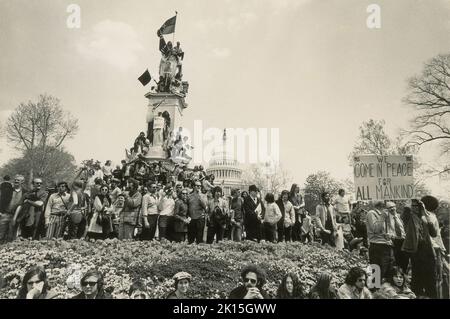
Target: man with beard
point(254, 279)
point(31, 209)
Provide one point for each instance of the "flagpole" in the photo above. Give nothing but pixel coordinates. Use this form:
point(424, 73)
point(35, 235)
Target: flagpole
point(173, 38)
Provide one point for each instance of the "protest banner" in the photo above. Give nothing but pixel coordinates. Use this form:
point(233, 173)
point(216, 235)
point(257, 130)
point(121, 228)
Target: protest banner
point(383, 177)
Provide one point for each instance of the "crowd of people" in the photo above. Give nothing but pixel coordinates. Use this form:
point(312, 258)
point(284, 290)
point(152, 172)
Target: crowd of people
point(396, 286)
point(144, 201)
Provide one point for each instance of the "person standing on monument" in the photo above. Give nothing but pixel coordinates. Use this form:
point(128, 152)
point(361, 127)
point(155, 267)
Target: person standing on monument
point(196, 211)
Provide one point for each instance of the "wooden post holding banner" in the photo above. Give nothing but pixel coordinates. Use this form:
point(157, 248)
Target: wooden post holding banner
point(383, 177)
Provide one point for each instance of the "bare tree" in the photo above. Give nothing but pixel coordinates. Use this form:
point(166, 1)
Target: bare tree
point(40, 126)
point(429, 96)
point(269, 179)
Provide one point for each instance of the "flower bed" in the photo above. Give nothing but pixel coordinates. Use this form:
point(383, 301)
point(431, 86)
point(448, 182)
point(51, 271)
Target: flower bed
point(215, 268)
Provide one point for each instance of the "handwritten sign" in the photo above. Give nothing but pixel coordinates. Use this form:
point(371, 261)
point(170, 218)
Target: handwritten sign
point(383, 177)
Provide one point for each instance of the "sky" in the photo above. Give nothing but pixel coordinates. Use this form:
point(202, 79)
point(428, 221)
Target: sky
point(312, 69)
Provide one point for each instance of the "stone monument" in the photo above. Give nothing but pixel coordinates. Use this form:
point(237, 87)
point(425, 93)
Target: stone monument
point(166, 104)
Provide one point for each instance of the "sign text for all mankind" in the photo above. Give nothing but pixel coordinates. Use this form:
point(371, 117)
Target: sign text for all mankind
point(383, 177)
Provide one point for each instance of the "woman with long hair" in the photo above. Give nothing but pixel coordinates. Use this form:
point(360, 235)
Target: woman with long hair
point(288, 217)
point(98, 228)
point(323, 288)
point(35, 285)
point(395, 286)
point(290, 287)
point(297, 201)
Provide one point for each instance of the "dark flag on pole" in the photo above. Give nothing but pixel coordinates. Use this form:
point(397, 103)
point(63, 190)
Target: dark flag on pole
point(145, 78)
point(168, 27)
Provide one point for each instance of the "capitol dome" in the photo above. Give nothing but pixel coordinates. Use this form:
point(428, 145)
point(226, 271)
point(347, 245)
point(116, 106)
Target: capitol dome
point(225, 168)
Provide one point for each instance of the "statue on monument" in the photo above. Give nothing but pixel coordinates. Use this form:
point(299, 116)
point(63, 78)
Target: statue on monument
point(170, 68)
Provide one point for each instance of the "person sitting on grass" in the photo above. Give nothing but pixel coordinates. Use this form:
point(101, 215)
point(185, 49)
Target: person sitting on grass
point(254, 279)
point(35, 285)
point(92, 286)
point(138, 290)
point(395, 286)
point(323, 288)
point(355, 285)
point(182, 283)
point(290, 288)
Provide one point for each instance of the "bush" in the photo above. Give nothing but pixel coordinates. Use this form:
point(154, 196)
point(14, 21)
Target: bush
point(215, 268)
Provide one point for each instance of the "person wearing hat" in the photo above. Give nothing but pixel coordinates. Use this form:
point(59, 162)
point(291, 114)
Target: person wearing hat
point(182, 281)
point(166, 209)
point(55, 211)
point(252, 214)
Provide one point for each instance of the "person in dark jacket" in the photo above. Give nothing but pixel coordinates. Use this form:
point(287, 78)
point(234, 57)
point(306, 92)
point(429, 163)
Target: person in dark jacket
point(180, 218)
point(419, 230)
point(92, 286)
point(252, 214)
point(254, 279)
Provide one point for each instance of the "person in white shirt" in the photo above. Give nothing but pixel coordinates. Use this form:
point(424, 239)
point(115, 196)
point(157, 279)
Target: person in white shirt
point(150, 212)
point(166, 208)
point(342, 203)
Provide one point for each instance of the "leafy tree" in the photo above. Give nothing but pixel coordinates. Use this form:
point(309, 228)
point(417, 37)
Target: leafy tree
point(58, 166)
point(373, 140)
point(315, 185)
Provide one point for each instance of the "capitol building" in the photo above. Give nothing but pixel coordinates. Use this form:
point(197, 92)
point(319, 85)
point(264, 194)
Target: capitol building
point(226, 169)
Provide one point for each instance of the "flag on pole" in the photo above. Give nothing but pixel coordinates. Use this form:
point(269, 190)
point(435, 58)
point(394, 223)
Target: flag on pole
point(145, 78)
point(168, 27)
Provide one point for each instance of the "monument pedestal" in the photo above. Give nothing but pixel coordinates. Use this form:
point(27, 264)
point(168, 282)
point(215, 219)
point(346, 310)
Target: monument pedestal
point(170, 107)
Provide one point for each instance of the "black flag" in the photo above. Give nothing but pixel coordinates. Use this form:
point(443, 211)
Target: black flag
point(145, 78)
point(168, 27)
